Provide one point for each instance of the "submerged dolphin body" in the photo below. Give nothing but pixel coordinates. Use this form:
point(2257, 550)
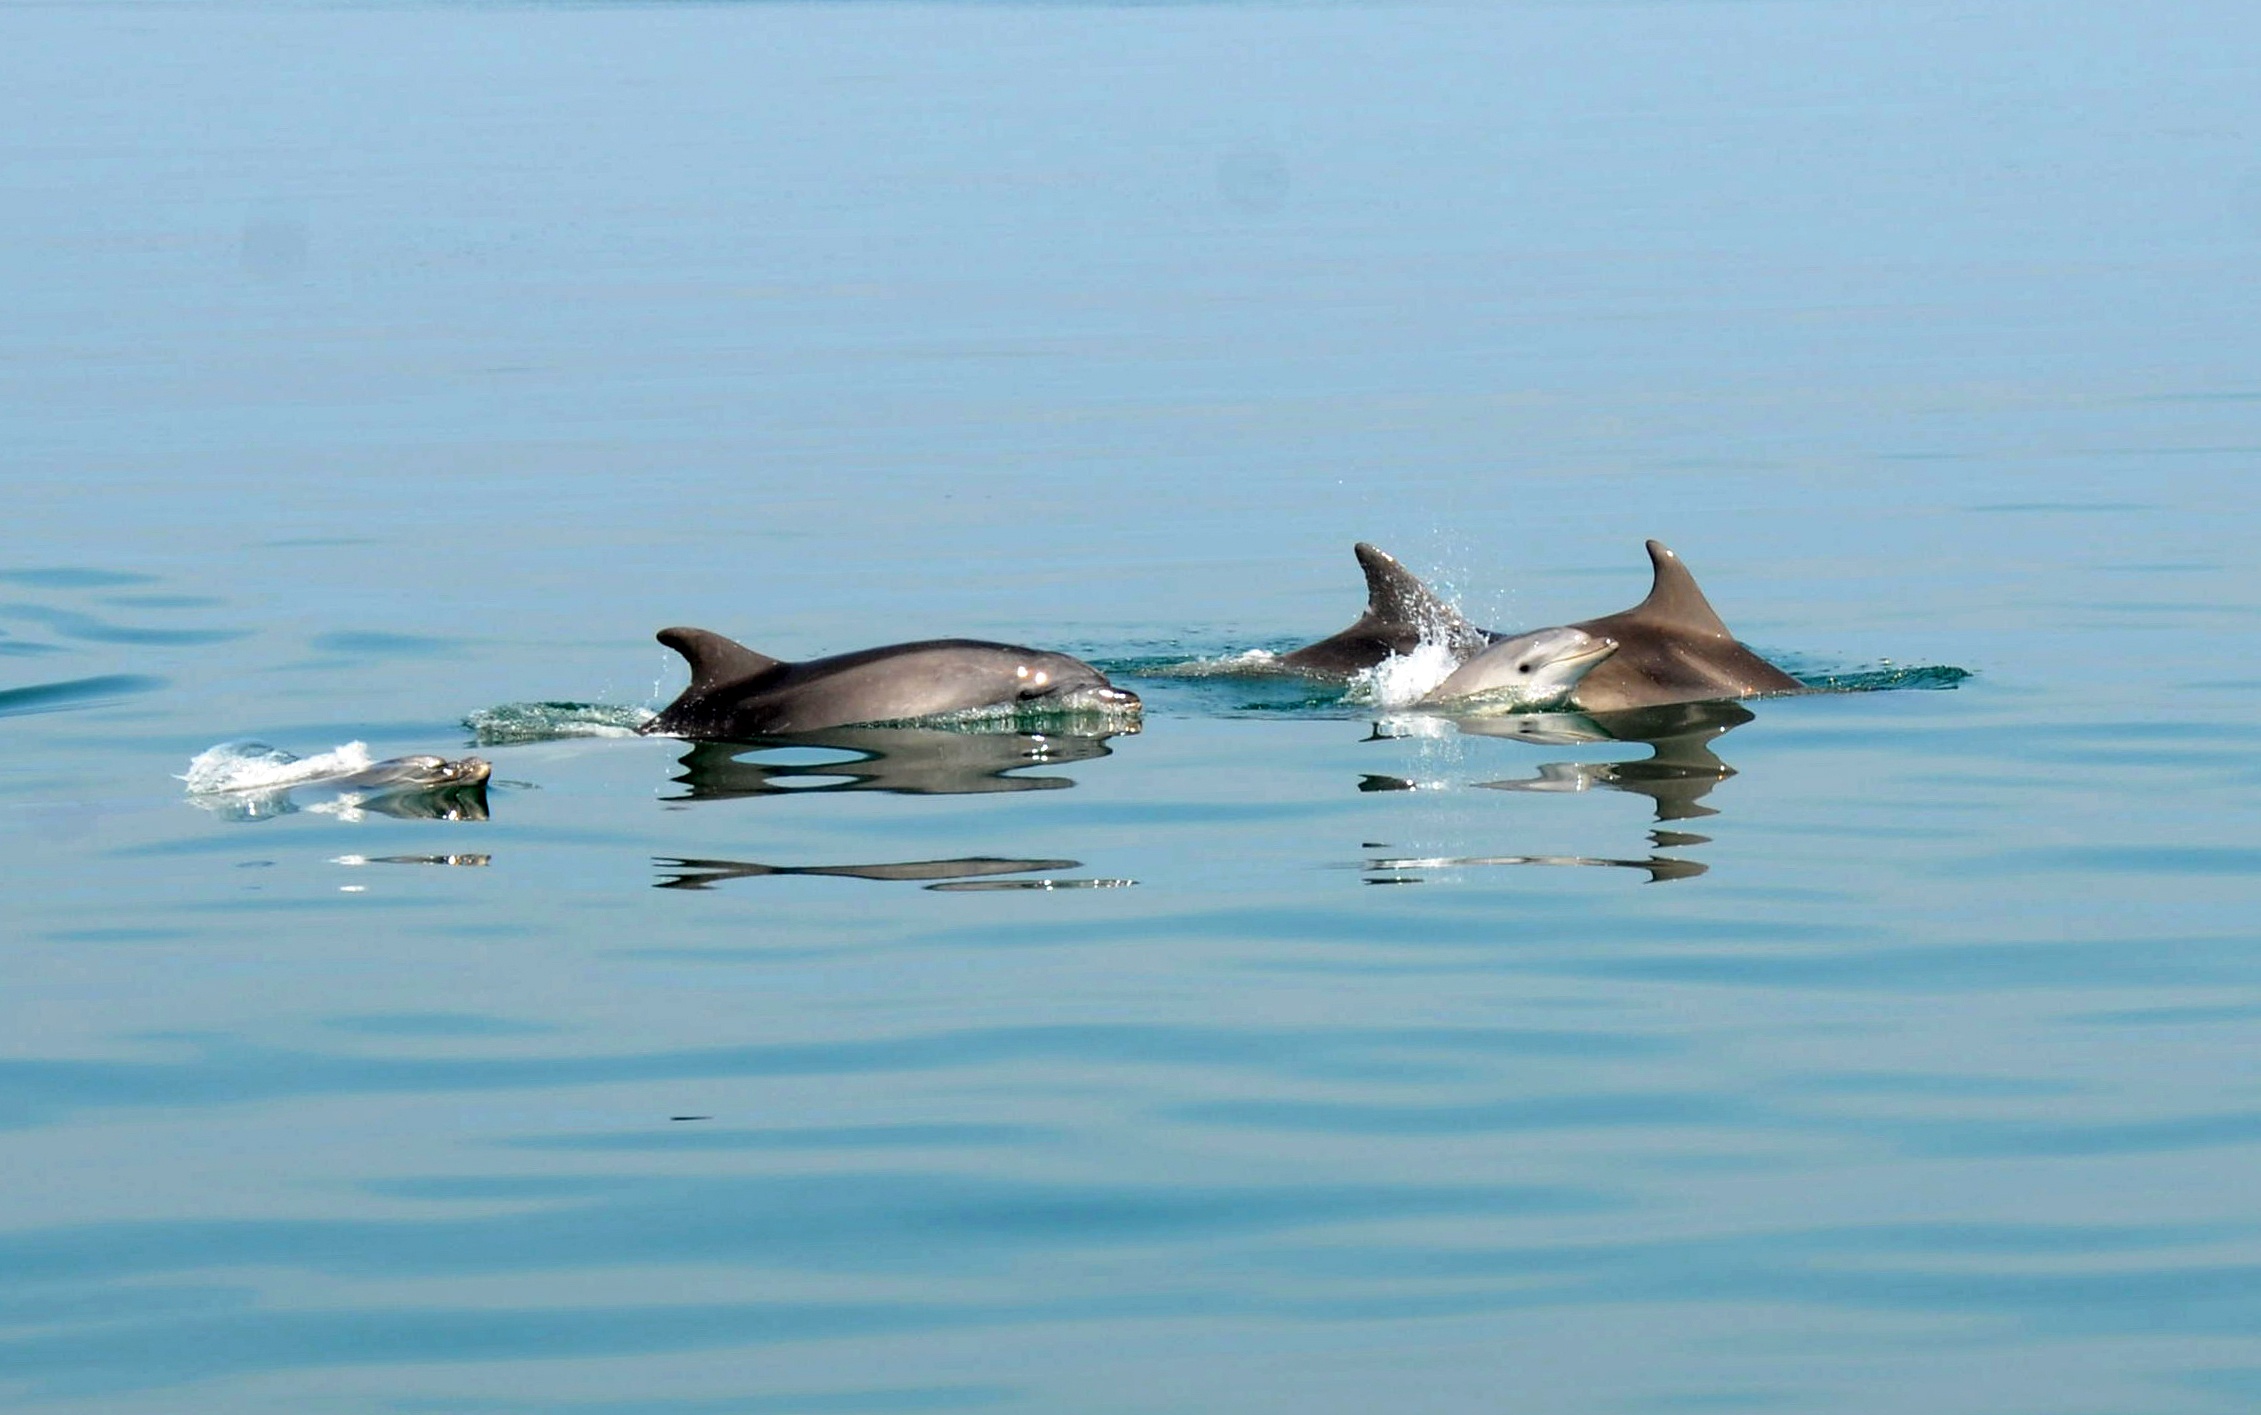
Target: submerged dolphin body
point(252, 781)
point(1531, 670)
point(1401, 614)
point(1672, 648)
point(419, 773)
point(737, 693)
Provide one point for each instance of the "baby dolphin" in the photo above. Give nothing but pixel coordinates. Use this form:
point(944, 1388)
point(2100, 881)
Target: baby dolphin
point(1538, 669)
point(418, 773)
point(1672, 648)
point(737, 693)
point(1401, 614)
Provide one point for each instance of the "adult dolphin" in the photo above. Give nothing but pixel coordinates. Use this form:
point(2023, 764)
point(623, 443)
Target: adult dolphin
point(1672, 648)
point(737, 693)
point(1401, 614)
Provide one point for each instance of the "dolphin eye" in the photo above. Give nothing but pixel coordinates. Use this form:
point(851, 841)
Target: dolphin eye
point(1523, 668)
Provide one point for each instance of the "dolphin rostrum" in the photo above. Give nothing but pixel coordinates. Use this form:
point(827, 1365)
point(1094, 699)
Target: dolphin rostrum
point(1401, 614)
point(737, 693)
point(1672, 648)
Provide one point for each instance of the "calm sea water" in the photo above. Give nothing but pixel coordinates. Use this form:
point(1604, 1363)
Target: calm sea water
point(365, 369)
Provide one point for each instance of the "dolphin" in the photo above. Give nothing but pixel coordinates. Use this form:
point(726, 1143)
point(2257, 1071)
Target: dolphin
point(1672, 648)
point(1401, 614)
point(419, 773)
point(1531, 670)
point(416, 788)
point(737, 693)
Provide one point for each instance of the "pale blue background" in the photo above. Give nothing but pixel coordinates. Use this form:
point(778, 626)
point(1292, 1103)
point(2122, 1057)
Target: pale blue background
point(362, 367)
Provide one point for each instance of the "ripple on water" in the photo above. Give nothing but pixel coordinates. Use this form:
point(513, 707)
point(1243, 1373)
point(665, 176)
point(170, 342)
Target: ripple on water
point(74, 577)
point(89, 628)
point(75, 693)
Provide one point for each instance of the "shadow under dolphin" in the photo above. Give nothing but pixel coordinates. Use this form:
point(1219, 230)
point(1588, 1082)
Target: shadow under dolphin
point(910, 761)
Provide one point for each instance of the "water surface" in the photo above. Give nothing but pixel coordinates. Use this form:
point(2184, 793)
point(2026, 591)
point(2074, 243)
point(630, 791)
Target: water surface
point(369, 370)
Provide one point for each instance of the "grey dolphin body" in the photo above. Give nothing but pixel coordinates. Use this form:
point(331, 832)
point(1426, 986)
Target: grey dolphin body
point(1401, 614)
point(1672, 648)
point(737, 693)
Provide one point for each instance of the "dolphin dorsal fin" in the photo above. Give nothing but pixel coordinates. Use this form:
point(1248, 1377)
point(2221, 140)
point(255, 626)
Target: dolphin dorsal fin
point(714, 659)
point(1395, 595)
point(1674, 601)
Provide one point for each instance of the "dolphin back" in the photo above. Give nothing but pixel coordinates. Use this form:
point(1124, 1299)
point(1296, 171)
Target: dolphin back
point(736, 693)
point(1675, 603)
point(714, 659)
point(1674, 649)
point(1401, 614)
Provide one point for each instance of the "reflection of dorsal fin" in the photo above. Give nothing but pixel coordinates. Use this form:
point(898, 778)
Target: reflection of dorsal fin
point(1674, 601)
point(1394, 595)
point(714, 659)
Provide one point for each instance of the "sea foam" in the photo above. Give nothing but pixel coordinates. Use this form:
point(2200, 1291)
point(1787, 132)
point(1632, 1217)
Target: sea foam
point(255, 766)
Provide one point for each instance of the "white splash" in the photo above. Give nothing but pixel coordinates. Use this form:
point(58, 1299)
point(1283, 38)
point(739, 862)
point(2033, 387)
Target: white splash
point(255, 766)
point(1404, 679)
point(512, 723)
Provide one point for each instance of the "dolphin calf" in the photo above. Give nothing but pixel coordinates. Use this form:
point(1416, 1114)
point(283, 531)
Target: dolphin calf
point(251, 781)
point(737, 693)
point(1538, 669)
point(1672, 648)
point(1401, 614)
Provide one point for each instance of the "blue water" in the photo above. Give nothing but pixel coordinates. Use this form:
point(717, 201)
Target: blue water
point(368, 370)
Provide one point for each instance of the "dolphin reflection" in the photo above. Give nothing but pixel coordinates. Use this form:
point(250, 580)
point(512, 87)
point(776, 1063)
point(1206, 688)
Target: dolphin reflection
point(1400, 869)
point(970, 872)
point(912, 761)
point(1679, 772)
